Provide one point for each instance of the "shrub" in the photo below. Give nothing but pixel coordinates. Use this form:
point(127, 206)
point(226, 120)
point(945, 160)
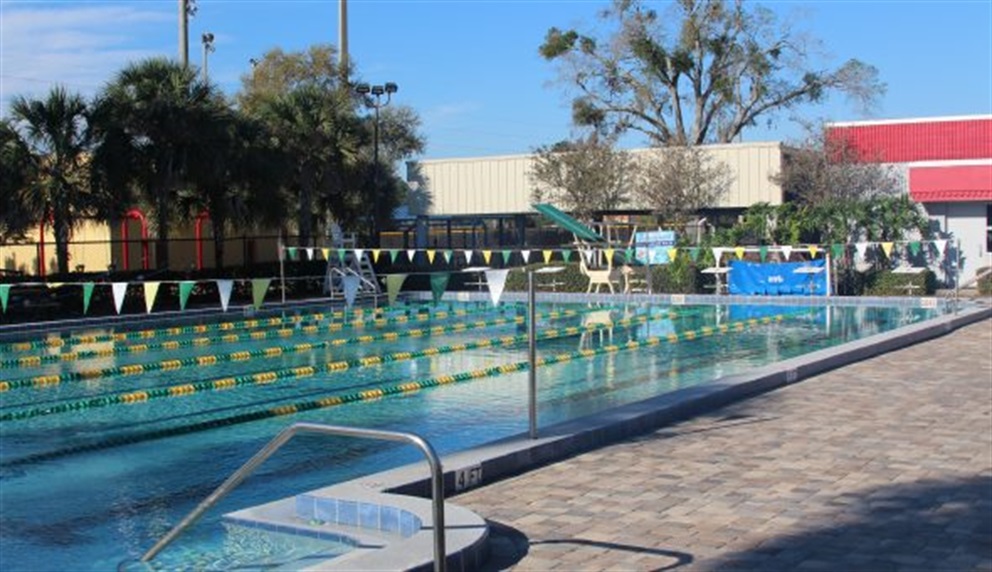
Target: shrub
point(892, 284)
point(985, 284)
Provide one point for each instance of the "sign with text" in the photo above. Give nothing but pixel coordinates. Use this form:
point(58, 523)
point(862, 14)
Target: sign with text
point(651, 247)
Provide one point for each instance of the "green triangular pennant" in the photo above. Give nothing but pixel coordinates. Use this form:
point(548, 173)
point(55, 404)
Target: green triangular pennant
point(694, 254)
point(506, 257)
point(392, 255)
point(394, 283)
point(259, 286)
point(914, 247)
point(837, 250)
point(4, 295)
point(341, 253)
point(763, 252)
point(291, 252)
point(566, 255)
point(439, 282)
point(87, 295)
point(628, 255)
point(447, 256)
point(185, 289)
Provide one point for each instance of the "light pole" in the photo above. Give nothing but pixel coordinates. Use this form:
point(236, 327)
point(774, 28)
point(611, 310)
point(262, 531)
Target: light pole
point(208, 46)
point(387, 89)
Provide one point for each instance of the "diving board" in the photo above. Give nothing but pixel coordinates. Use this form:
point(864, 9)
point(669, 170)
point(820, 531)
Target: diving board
point(569, 223)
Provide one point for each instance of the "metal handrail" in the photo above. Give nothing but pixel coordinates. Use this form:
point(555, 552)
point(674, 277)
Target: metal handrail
point(437, 479)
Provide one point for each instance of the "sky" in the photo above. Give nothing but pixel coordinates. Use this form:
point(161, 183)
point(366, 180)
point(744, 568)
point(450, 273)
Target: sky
point(471, 69)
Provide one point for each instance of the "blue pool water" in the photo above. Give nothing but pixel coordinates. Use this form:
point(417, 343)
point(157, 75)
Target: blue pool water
point(100, 482)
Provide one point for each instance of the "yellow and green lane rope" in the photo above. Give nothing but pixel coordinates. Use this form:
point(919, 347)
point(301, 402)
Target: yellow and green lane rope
point(250, 324)
point(266, 377)
point(40, 381)
point(395, 389)
point(376, 321)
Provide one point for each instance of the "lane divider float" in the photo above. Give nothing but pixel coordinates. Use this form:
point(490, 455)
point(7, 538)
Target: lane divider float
point(267, 377)
point(376, 321)
point(376, 394)
point(40, 381)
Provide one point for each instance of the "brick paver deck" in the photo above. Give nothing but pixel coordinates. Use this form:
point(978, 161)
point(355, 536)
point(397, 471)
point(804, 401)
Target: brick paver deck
point(881, 465)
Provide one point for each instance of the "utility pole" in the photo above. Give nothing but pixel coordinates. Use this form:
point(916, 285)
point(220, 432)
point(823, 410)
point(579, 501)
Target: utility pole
point(208, 46)
point(343, 40)
point(183, 33)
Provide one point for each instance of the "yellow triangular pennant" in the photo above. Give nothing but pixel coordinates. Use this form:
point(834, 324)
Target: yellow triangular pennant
point(672, 253)
point(430, 256)
point(813, 250)
point(739, 251)
point(487, 255)
point(375, 255)
point(547, 256)
point(887, 248)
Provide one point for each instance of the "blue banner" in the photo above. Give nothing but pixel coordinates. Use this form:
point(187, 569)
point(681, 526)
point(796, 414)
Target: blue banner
point(786, 278)
point(653, 245)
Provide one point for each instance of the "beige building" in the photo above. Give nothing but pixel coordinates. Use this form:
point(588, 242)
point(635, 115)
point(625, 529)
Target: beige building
point(501, 185)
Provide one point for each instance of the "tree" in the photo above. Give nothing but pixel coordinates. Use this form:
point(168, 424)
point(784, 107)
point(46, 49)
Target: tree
point(156, 111)
point(319, 134)
point(56, 135)
point(820, 169)
point(701, 74)
point(315, 118)
point(679, 181)
point(583, 176)
point(16, 173)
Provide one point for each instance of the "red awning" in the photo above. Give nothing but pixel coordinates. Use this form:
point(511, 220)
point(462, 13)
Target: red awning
point(957, 183)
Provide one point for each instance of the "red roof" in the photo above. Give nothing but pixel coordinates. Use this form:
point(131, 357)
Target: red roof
point(917, 140)
point(951, 183)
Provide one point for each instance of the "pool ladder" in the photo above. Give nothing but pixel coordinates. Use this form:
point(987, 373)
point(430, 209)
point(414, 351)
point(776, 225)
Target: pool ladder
point(437, 480)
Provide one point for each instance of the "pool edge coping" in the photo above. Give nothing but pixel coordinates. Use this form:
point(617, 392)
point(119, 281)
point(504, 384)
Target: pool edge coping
point(510, 456)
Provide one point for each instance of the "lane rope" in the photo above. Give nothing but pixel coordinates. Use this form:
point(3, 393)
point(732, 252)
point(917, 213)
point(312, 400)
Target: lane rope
point(396, 389)
point(56, 342)
point(42, 381)
point(376, 321)
point(268, 377)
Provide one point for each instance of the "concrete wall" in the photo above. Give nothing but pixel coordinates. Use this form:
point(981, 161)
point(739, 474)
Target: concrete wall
point(501, 185)
point(967, 222)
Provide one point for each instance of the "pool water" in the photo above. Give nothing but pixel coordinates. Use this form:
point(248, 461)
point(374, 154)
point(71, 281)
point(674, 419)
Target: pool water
point(89, 478)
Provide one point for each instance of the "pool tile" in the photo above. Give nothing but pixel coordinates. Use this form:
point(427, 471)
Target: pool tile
point(368, 515)
point(347, 513)
point(326, 510)
point(389, 519)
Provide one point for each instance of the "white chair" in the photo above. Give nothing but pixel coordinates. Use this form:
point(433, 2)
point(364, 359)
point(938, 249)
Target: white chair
point(599, 276)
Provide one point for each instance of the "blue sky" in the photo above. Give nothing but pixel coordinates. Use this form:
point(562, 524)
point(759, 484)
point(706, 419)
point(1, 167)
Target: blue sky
point(471, 68)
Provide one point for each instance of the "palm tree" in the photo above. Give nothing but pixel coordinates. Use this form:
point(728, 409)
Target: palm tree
point(16, 173)
point(157, 110)
point(319, 132)
point(55, 131)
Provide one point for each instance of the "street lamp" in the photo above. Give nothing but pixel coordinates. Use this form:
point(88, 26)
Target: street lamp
point(208, 46)
point(377, 91)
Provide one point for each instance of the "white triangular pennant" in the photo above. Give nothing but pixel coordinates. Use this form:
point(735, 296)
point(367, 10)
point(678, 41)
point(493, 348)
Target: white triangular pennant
point(786, 253)
point(861, 248)
point(941, 246)
point(359, 253)
point(309, 253)
point(717, 253)
point(468, 257)
point(526, 255)
point(350, 284)
point(496, 280)
point(410, 254)
point(224, 289)
point(119, 289)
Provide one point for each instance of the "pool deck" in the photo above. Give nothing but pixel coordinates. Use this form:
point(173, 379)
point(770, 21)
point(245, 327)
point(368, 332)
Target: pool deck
point(884, 464)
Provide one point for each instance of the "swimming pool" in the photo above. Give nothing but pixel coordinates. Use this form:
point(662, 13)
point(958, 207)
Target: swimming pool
point(104, 450)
